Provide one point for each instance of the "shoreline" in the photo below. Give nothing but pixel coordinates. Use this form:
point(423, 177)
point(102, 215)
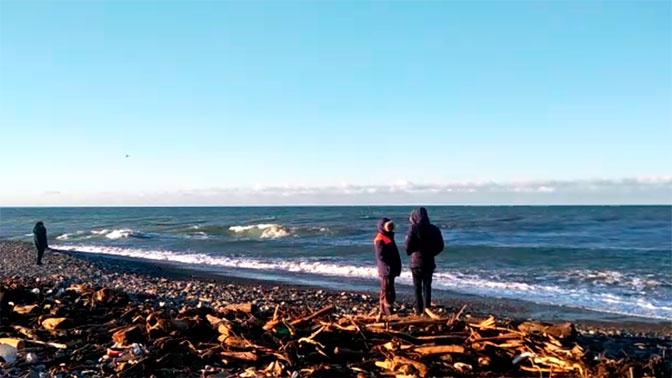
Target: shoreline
point(478, 306)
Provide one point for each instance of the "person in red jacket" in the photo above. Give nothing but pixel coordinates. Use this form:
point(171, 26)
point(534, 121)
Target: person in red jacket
point(389, 264)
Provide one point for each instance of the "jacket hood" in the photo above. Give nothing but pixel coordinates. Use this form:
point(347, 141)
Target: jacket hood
point(419, 216)
point(381, 225)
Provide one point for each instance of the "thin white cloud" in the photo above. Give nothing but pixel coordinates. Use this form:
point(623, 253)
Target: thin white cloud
point(618, 191)
point(618, 185)
point(644, 190)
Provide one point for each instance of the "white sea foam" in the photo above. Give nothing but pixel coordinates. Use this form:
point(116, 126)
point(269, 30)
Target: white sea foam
point(262, 230)
point(198, 235)
point(313, 267)
point(447, 280)
point(609, 277)
point(118, 234)
point(126, 233)
point(75, 235)
point(548, 294)
point(64, 236)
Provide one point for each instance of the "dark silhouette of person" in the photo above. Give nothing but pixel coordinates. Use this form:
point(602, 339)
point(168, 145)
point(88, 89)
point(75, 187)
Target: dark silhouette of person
point(40, 238)
point(389, 264)
point(423, 242)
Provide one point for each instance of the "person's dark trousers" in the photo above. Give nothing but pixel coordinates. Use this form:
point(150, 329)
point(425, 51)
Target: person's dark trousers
point(422, 282)
point(387, 295)
point(39, 253)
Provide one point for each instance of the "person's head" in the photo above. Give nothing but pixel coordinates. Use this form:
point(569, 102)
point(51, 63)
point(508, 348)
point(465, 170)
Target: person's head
point(385, 225)
point(39, 224)
point(419, 216)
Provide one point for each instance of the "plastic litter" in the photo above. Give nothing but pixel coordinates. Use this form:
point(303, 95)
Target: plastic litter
point(8, 353)
point(114, 353)
point(138, 349)
point(32, 358)
point(521, 356)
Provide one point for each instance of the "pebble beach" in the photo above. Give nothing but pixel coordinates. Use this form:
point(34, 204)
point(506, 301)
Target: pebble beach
point(170, 288)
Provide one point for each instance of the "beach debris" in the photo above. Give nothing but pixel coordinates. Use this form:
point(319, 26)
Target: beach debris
point(106, 332)
point(8, 353)
point(521, 356)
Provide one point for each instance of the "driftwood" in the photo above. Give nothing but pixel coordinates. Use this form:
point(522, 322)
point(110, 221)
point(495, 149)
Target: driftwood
point(439, 349)
point(49, 344)
point(312, 316)
point(562, 330)
point(83, 328)
point(247, 308)
point(128, 335)
point(55, 323)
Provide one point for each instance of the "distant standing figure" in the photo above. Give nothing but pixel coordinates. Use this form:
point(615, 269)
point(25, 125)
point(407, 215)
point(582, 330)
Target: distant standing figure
point(423, 242)
point(40, 237)
point(389, 264)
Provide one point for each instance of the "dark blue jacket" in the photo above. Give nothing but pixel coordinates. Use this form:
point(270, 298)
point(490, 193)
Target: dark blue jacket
point(423, 241)
point(387, 253)
point(40, 236)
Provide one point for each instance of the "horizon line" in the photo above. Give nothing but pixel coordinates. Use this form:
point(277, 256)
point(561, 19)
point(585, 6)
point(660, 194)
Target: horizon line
point(346, 205)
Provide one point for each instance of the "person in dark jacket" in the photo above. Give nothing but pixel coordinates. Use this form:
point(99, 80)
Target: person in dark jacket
point(422, 243)
point(40, 238)
point(389, 264)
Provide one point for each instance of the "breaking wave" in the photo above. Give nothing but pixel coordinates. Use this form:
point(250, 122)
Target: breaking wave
point(238, 232)
point(78, 235)
point(109, 234)
point(262, 230)
point(276, 231)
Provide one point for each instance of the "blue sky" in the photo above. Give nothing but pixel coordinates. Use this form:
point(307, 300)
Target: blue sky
point(322, 97)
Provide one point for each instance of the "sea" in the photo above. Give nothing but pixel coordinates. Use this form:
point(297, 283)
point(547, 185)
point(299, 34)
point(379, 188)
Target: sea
point(610, 259)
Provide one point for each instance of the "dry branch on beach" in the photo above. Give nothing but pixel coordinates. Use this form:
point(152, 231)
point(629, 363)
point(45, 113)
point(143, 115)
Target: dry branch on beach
point(86, 331)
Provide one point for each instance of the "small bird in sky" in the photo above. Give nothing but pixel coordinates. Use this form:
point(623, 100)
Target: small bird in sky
point(128, 156)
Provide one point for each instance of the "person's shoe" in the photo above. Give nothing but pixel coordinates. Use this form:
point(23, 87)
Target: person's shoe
point(39, 263)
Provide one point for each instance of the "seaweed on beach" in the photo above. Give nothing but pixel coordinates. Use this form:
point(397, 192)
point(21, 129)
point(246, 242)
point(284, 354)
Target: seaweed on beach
point(60, 329)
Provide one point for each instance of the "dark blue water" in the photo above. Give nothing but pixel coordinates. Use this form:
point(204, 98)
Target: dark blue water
point(606, 258)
